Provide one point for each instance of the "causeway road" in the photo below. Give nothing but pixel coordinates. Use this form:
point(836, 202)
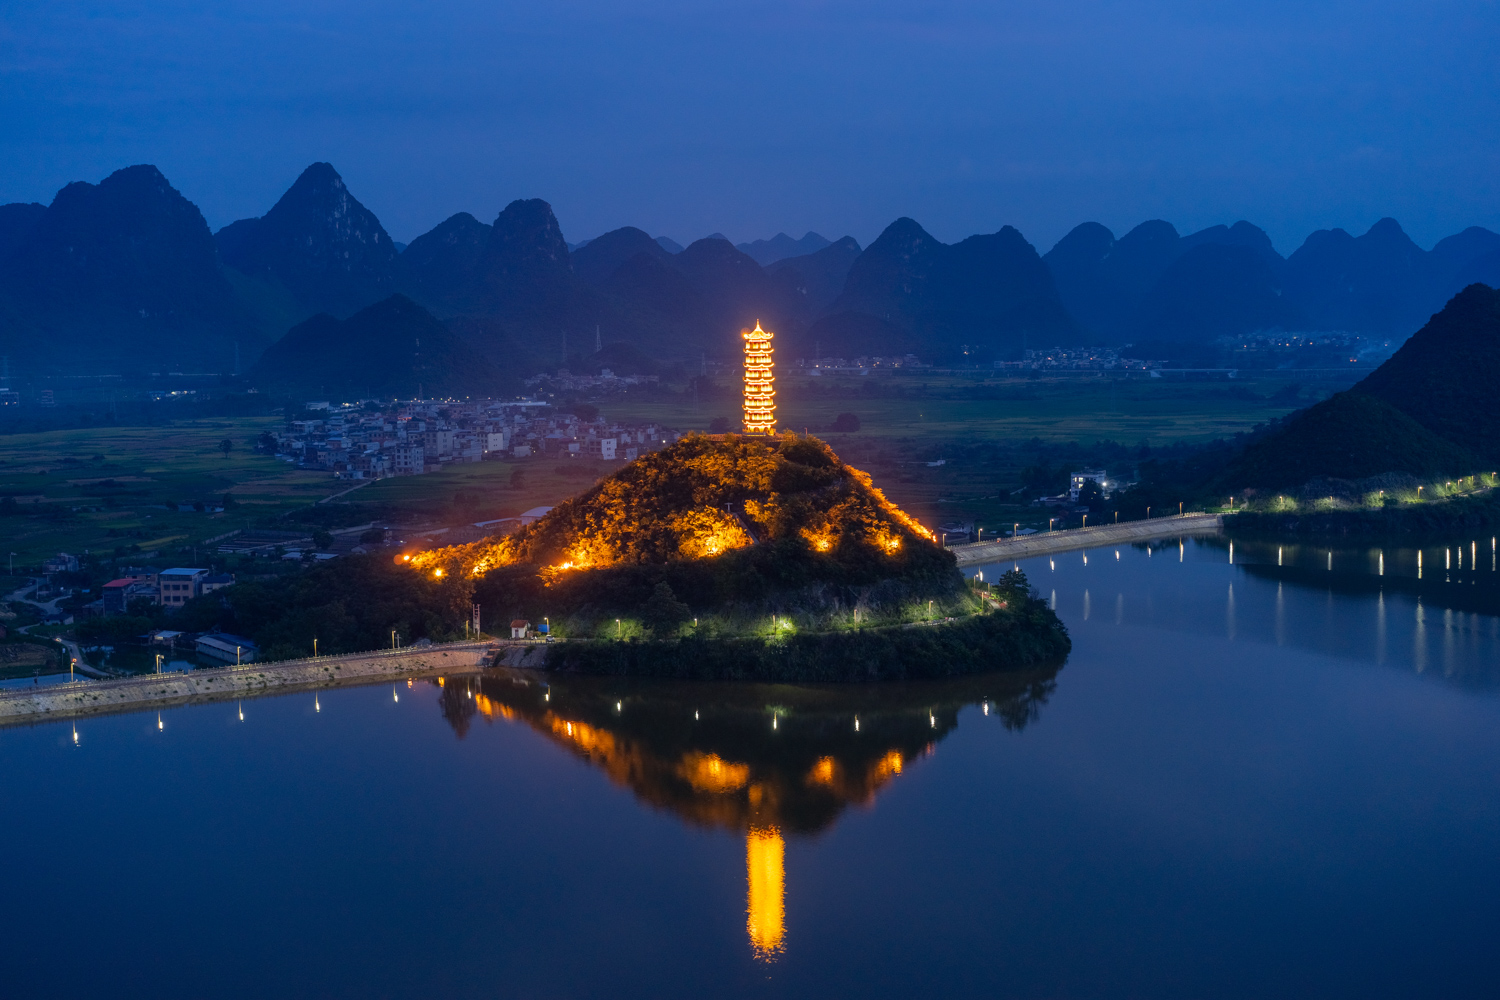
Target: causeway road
point(30, 705)
point(1046, 542)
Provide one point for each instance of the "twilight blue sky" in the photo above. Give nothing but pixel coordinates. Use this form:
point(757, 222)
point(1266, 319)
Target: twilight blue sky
point(753, 116)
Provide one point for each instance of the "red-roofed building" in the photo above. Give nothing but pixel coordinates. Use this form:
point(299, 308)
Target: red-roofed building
point(117, 594)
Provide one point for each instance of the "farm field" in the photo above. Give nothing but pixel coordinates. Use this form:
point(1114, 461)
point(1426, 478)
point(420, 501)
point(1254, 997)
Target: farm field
point(116, 490)
point(106, 488)
point(1084, 408)
point(983, 431)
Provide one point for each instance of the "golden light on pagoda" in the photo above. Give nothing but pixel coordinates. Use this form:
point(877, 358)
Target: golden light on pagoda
point(760, 382)
point(765, 854)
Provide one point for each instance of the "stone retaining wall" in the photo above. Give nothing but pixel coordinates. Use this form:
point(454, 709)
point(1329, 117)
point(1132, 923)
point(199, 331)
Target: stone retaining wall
point(1045, 543)
point(21, 706)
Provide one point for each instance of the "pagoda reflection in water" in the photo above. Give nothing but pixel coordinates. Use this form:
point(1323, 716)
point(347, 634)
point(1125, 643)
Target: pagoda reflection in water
point(764, 761)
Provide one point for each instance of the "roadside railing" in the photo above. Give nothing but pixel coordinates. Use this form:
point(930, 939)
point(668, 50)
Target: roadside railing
point(231, 669)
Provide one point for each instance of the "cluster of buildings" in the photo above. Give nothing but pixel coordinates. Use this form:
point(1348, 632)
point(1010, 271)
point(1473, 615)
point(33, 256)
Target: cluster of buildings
point(171, 588)
point(605, 382)
point(372, 441)
point(1076, 359)
point(821, 366)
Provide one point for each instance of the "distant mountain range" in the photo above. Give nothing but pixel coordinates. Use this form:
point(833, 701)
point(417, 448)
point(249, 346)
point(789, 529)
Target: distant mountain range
point(781, 246)
point(1427, 411)
point(125, 275)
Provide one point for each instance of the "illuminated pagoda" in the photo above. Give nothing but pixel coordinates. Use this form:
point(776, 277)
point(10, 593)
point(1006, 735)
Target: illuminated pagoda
point(760, 382)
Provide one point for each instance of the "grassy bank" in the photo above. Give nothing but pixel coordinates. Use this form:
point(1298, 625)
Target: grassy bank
point(1477, 510)
point(1022, 636)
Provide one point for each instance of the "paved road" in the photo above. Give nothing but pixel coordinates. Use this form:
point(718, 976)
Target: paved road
point(50, 607)
point(1043, 543)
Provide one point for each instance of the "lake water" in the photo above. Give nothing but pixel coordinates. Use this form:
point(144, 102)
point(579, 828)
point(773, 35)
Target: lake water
point(1264, 777)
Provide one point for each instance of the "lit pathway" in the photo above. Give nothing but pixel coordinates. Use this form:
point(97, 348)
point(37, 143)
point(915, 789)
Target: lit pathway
point(1042, 543)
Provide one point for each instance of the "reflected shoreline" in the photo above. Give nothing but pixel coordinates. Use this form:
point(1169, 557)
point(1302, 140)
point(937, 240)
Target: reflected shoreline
point(761, 760)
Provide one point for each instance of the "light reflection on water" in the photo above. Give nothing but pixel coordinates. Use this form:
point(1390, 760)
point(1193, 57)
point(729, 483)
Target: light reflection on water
point(1252, 779)
point(764, 761)
point(1382, 604)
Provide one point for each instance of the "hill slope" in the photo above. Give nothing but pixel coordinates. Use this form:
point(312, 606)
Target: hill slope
point(393, 348)
point(1426, 411)
point(1444, 376)
point(117, 276)
point(816, 279)
point(670, 506)
point(327, 249)
point(1351, 435)
point(978, 299)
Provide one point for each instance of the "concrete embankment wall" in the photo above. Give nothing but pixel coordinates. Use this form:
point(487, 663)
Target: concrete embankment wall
point(130, 694)
point(1045, 543)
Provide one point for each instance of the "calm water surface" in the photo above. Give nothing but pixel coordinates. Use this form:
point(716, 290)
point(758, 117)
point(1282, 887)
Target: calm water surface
point(1271, 771)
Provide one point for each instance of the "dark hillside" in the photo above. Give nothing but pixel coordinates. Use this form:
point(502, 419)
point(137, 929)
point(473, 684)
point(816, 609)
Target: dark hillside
point(780, 247)
point(119, 276)
point(17, 220)
point(1427, 411)
point(318, 241)
point(1379, 283)
point(441, 267)
point(1444, 377)
point(816, 279)
point(1215, 290)
point(1455, 255)
point(600, 258)
point(1077, 263)
point(393, 348)
point(1348, 436)
point(983, 298)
